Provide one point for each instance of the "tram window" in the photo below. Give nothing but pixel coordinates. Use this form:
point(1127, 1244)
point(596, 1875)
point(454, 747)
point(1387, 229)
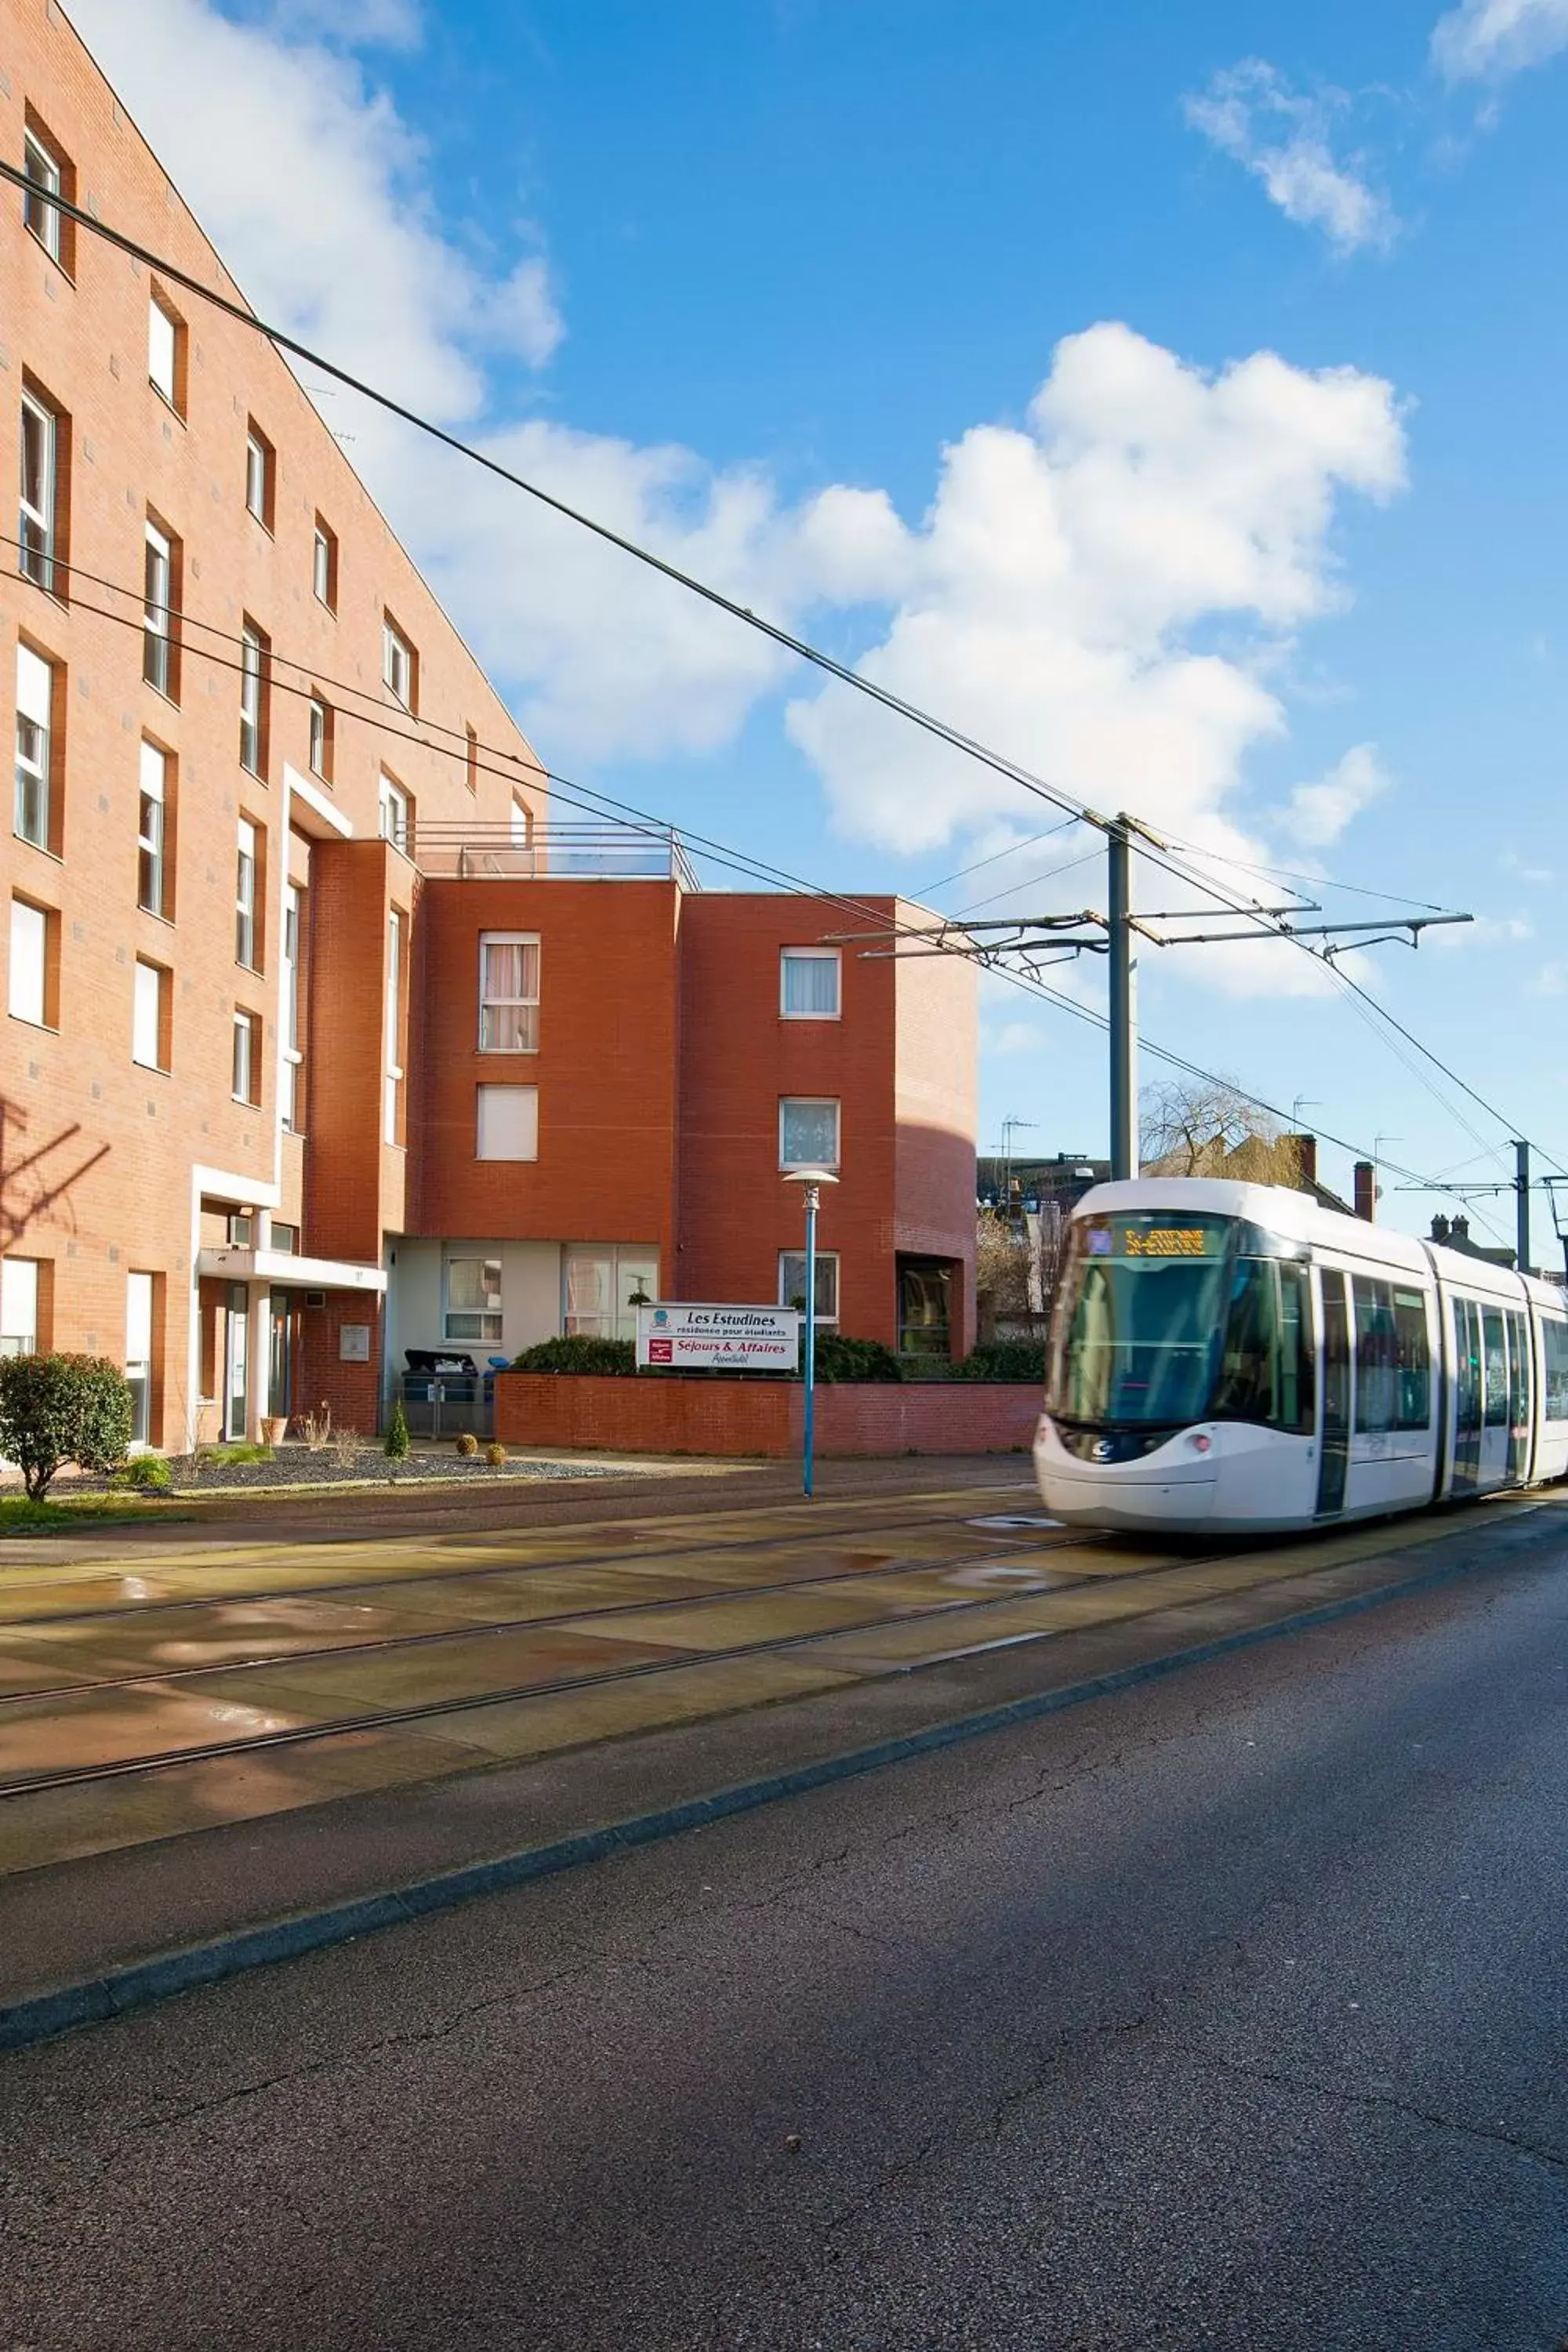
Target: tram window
point(1265, 1367)
point(1295, 1351)
point(1554, 1337)
point(1376, 1355)
point(1414, 1360)
point(1468, 1364)
point(1496, 1356)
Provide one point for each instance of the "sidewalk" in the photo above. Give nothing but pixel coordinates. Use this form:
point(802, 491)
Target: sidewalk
point(306, 1740)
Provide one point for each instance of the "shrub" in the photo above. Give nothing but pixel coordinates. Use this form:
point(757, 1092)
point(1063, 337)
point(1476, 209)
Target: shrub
point(577, 1354)
point(468, 1445)
point(495, 1455)
point(398, 1444)
point(145, 1473)
point(839, 1358)
point(60, 1409)
point(1006, 1359)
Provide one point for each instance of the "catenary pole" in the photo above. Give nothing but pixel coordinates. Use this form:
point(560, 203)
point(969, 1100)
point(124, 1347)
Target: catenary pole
point(1123, 1005)
point(1521, 1192)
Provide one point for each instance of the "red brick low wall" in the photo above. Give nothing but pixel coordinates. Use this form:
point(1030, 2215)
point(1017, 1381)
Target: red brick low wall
point(744, 1417)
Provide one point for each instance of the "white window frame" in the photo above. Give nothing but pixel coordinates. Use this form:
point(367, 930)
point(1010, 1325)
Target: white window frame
point(35, 716)
point(494, 1107)
point(19, 1289)
point(157, 618)
point(811, 955)
point(147, 1002)
point(39, 529)
point(323, 564)
point(246, 869)
point(392, 1084)
point(245, 1074)
point(259, 458)
point(321, 735)
point(141, 1307)
point(814, 1102)
point(391, 812)
point(43, 218)
point(493, 1031)
point(253, 669)
point(397, 663)
point(826, 1261)
point(151, 830)
point(28, 980)
point(618, 1320)
point(521, 824)
point(292, 1060)
point(163, 349)
point(489, 1319)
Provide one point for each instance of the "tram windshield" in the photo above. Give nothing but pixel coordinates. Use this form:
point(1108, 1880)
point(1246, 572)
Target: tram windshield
point(1164, 1320)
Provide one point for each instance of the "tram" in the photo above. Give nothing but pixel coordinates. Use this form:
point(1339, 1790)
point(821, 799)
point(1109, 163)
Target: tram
point(1232, 1358)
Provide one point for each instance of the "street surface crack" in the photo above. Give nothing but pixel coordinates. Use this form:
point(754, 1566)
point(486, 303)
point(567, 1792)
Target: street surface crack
point(1429, 2117)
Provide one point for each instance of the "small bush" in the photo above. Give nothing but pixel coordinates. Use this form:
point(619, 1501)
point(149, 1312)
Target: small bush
point(145, 1473)
point(495, 1455)
point(240, 1450)
point(60, 1409)
point(468, 1445)
point(398, 1444)
point(1006, 1359)
point(578, 1354)
point(346, 1447)
point(317, 1427)
point(839, 1358)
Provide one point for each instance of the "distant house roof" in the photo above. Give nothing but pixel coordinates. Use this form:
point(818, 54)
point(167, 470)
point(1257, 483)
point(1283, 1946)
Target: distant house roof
point(1290, 1160)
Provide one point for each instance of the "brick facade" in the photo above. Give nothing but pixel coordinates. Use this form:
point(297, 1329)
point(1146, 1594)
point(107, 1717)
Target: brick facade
point(745, 1420)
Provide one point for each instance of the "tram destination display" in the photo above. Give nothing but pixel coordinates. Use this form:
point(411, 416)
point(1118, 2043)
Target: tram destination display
point(1194, 1238)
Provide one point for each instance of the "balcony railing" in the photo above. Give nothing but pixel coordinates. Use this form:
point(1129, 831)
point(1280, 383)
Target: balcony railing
point(557, 851)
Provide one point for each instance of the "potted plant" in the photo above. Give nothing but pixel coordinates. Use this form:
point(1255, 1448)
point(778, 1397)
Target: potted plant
point(274, 1428)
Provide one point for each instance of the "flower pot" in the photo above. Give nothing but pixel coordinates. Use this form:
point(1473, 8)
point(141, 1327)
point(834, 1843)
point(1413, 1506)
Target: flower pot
point(273, 1429)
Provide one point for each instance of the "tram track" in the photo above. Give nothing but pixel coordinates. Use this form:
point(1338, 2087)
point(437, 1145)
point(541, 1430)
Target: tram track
point(425, 1711)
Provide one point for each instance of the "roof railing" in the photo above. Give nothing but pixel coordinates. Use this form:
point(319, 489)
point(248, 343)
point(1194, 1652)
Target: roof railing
point(553, 851)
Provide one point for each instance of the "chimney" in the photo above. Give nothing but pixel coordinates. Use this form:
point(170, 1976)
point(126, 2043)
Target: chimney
point(1460, 1230)
point(1305, 1161)
point(1366, 1190)
point(1440, 1231)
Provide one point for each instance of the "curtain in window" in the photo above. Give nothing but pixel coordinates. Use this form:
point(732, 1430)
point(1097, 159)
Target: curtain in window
point(811, 985)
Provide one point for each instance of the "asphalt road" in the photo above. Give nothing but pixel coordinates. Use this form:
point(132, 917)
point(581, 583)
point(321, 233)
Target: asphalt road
point(1228, 2013)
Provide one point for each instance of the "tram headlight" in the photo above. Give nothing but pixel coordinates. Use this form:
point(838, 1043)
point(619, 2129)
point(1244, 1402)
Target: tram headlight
point(1201, 1443)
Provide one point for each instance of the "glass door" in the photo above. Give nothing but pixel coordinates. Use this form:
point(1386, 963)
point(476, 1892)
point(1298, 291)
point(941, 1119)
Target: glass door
point(139, 1355)
point(1467, 1396)
point(236, 1363)
point(1335, 1441)
point(279, 1355)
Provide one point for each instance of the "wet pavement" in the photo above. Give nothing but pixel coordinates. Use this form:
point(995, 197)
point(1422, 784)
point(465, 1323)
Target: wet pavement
point(170, 1691)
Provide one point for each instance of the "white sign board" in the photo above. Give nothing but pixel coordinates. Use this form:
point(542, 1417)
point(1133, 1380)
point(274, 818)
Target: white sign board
point(726, 1339)
point(353, 1343)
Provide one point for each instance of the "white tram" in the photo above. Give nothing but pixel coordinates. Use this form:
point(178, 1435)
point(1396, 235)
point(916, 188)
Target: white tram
point(1226, 1357)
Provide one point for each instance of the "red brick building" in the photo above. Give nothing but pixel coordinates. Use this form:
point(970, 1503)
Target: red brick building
point(324, 1041)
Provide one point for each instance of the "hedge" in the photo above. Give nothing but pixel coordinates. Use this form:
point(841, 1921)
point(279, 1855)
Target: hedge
point(60, 1409)
point(1005, 1360)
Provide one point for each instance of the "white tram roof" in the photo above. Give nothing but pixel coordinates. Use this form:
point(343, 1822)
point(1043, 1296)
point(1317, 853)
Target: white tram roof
point(1296, 1216)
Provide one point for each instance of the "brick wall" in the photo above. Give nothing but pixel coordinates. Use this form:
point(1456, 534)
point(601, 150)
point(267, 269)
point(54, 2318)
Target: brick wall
point(743, 1419)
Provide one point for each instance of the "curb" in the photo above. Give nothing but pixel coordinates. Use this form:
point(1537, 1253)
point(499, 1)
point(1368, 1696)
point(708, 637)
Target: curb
point(96, 2000)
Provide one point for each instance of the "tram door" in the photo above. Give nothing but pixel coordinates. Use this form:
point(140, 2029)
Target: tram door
point(1334, 1440)
point(1519, 1400)
point(1496, 1425)
point(1467, 1396)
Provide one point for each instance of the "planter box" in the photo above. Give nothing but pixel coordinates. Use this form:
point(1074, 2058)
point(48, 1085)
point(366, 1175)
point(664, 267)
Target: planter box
point(745, 1419)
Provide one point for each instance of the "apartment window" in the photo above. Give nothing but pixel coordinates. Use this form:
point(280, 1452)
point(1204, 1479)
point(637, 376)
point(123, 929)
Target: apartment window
point(508, 993)
point(324, 566)
point(39, 556)
point(322, 732)
point(470, 760)
point(239, 1229)
point(473, 1308)
point(809, 983)
point(292, 1067)
point(246, 886)
point(34, 935)
point(149, 1016)
point(167, 351)
point(141, 1290)
point(601, 1287)
point(246, 1085)
point(19, 1307)
point(808, 1132)
point(399, 665)
point(521, 826)
point(792, 1283)
point(393, 813)
point(260, 469)
point(392, 1088)
point(284, 1239)
point(508, 1124)
point(152, 867)
point(158, 642)
point(35, 747)
point(50, 173)
point(255, 650)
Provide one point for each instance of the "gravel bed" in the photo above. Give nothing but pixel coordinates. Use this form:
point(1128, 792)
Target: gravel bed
point(297, 1465)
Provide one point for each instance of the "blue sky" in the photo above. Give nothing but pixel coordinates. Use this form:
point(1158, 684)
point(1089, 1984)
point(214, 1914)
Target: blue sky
point(776, 283)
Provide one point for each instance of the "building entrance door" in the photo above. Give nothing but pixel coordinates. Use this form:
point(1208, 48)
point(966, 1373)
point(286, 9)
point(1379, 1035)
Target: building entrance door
point(236, 1363)
point(1334, 1437)
point(280, 1354)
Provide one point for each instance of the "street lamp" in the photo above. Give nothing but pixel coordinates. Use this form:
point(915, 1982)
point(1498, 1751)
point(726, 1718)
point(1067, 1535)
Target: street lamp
point(812, 1179)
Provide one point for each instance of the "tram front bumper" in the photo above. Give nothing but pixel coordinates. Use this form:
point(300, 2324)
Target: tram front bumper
point(1157, 1492)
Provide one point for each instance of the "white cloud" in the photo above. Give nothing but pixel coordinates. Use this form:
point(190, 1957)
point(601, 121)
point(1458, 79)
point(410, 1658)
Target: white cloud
point(1485, 931)
point(1551, 980)
point(1511, 862)
point(350, 23)
point(313, 190)
point(1280, 135)
point(1318, 813)
point(1487, 40)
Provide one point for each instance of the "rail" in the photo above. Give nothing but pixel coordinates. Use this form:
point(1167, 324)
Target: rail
point(552, 851)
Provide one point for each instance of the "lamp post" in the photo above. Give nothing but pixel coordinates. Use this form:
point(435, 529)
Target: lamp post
point(811, 1180)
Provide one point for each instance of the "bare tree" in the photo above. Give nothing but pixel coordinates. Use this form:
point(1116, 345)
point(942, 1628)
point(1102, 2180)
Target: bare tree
point(1197, 1127)
point(1001, 1264)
